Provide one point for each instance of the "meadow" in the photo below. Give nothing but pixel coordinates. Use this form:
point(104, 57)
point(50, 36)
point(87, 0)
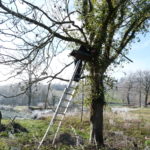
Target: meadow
point(128, 130)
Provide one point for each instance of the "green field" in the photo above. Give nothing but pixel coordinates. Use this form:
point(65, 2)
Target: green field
point(122, 131)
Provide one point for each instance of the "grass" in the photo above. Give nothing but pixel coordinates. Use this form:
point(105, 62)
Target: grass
point(133, 127)
point(122, 131)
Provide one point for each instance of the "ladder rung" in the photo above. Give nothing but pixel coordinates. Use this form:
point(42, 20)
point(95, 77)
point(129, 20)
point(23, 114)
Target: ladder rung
point(69, 93)
point(61, 113)
point(72, 87)
point(57, 119)
point(66, 100)
point(63, 106)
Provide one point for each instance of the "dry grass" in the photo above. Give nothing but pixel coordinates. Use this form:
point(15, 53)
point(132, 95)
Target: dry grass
point(127, 130)
point(122, 131)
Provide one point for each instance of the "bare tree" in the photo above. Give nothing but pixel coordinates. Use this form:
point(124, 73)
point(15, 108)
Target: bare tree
point(136, 83)
point(146, 85)
point(104, 28)
point(129, 86)
point(126, 88)
point(138, 77)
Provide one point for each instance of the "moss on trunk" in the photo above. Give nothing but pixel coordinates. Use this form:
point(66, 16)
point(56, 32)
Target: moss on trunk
point(97, 103)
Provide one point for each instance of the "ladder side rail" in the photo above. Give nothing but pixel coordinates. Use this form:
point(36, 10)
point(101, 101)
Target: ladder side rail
point(64, 93)
point(83, 67)
point(66, 89)
point(58, 127)
point(77, 65)
point(69, 101)
point(62, 118)
point(52, 120)
point(75, 70)
point(55, 114)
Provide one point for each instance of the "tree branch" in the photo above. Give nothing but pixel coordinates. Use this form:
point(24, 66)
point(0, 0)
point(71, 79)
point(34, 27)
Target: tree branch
point(23, 17)
point(109, 2)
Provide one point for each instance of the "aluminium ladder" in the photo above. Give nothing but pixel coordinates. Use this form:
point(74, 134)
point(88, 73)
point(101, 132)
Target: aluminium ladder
point(62, 106)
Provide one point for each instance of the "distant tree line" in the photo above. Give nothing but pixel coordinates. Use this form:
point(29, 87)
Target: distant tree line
point(134, 89)
point(38, 95)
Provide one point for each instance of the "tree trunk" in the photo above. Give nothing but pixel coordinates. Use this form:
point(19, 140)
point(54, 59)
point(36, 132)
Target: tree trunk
point(47, 95)
point(146, 99)
point(140, 102)
point(96, 119)
point(30, 86)
point(53, 100)
point(128, 98)
point(0, 117)
point(29, 95)
point(96, 107)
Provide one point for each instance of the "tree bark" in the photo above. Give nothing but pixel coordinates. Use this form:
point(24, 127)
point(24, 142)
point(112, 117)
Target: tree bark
point(140, 102)
point(128, 98)
point(29, 93)
point(96, 119)
point(29, 84)
point(146, 99)
point(96, 107)
point(0, 117)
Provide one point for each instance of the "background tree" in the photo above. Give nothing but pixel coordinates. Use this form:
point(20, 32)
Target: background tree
point(29, 82)
point(129, 86)
point(136, 86)
point(146, 85)
point(138, 78)
point(105, 28)
point(39, 94)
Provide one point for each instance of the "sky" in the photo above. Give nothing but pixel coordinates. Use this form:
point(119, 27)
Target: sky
point(139, 54)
